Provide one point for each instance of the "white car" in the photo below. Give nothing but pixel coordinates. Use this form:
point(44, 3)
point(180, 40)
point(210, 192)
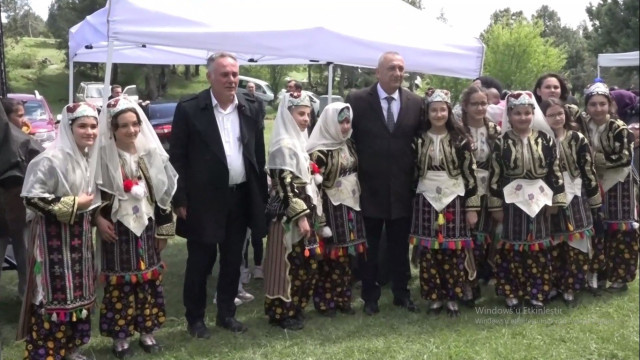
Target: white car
point(91, 92)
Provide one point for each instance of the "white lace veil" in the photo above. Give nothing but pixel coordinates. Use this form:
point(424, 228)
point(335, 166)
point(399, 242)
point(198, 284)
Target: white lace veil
point(163, 176)
point(525, 98)
point(287, 150)
point(63, 169)
point(326, 134)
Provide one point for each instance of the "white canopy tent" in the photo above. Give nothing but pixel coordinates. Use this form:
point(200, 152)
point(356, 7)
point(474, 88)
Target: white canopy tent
point(350, 32)
point(618, 59)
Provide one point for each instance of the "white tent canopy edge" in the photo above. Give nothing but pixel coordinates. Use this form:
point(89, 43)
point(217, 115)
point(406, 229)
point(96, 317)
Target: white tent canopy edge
point(618, 59)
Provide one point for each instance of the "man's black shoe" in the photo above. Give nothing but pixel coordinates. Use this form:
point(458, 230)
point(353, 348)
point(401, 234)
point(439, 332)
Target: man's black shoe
point(199, 330)
point(231, 324)
point(407, 304)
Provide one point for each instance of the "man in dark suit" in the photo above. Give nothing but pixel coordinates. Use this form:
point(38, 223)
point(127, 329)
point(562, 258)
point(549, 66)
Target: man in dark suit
point(386, 118)
point(217, 148)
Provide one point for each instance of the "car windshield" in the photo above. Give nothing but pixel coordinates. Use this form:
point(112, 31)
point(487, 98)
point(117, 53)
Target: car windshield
point(268, 89)
point(161, 111)
point(35, 111)
point(94, 91)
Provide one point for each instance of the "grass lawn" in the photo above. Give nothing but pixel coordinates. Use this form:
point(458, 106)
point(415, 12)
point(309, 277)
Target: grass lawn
point(599, 328)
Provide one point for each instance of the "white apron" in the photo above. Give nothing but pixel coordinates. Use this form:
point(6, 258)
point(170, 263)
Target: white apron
point(439, 189)
point(346, 191)
point(528, 195)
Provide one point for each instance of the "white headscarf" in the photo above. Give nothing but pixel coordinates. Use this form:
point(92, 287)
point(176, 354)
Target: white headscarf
point(525, 98)
point(287, 150)
point(148, 147)
point(326, 134)
point(63, 169)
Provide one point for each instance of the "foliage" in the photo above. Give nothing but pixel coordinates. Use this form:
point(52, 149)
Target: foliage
point(517, 54)
point(63, 14)
point(615, 29)
point(455, 85)
point(22, 21)
point(580, 65)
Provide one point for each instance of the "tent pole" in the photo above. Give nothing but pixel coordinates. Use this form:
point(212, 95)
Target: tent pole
point(598, 71)
point(330, 83)
point(70, 81)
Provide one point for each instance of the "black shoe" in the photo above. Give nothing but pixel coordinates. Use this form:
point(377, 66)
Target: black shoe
point(453, 312)
point(300, 316)
point(330, 313)
point(407, 304)
point(348, 311)
point(199, 330)
point(120, 352)
point(371, 308)
point(435, 310)
point(622, 288)
point(291, 324)
point(149, 348)
point(571, 303)
point(231, 324)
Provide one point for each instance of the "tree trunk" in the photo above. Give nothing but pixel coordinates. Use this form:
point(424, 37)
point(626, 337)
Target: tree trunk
point(341, 81)
point(163, 82)
point(187, 72)
point(114, 74)
point(196, 70)
point(412, 82)
point(309, 75)
point(174, 70)
point(151, 82)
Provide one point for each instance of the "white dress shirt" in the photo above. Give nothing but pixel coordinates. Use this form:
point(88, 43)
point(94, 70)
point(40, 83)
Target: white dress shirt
point(229, 127)
point(395, 104)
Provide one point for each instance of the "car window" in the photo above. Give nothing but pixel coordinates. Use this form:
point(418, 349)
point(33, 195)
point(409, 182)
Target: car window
point(131, 91)
point(242, 84)
point(268, 89)
point(260, 89)
point(94, 92)
point(34, 110)
point(160, 111)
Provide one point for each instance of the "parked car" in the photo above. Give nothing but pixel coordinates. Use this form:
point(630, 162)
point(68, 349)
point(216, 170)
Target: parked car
point(263, 89)
point(91, 92)
point(161, 117)
point(38, 113)
point(324, 99)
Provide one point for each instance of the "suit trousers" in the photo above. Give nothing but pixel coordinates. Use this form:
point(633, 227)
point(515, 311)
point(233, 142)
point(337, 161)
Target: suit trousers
point(202, 257)
point(397, 231)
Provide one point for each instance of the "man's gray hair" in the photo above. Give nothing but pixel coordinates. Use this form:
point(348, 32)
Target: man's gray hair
point(219, 55)
point(385, 54)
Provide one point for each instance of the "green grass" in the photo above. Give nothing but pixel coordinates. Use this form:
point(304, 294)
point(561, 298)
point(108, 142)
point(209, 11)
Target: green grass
point(599, 328)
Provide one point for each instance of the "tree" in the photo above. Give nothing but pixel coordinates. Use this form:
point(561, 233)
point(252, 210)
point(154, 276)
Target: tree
point(615, 26)
point(615, 29)
point(21, 20)
point(579, 68)
point(63, 14)
point(517, 54)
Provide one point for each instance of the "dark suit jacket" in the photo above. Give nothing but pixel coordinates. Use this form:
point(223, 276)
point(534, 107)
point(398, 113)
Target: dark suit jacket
point(197, 154)
point(386, 162)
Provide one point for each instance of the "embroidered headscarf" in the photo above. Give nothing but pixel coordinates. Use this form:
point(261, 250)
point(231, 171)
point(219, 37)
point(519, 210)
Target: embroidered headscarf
point(63, 169)
point(517, 98)
point(326, 134)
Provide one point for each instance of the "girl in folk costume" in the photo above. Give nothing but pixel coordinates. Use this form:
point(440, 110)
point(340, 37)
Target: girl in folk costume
point(611, 142)
point(58, 189)
point(475, 102)
point(445, 206)
point(334, 154)
point(291, 263)
point(572, 228)
point(134, 223)
point(526, 187)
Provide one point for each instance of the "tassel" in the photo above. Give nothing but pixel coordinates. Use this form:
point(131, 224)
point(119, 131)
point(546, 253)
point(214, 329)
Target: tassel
point(84, 313)
point(113, 280)
point(37, 268)
point(127, 278)
point(530, 237)
point(142, 266)
point(569, 226)
point(452, 245)
point(448, 216)
point(318, 251)
point(440, 219)
point(134, 279)
point(306, 252)
point(73, 316)
point(440, 237)
point(54, 317)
